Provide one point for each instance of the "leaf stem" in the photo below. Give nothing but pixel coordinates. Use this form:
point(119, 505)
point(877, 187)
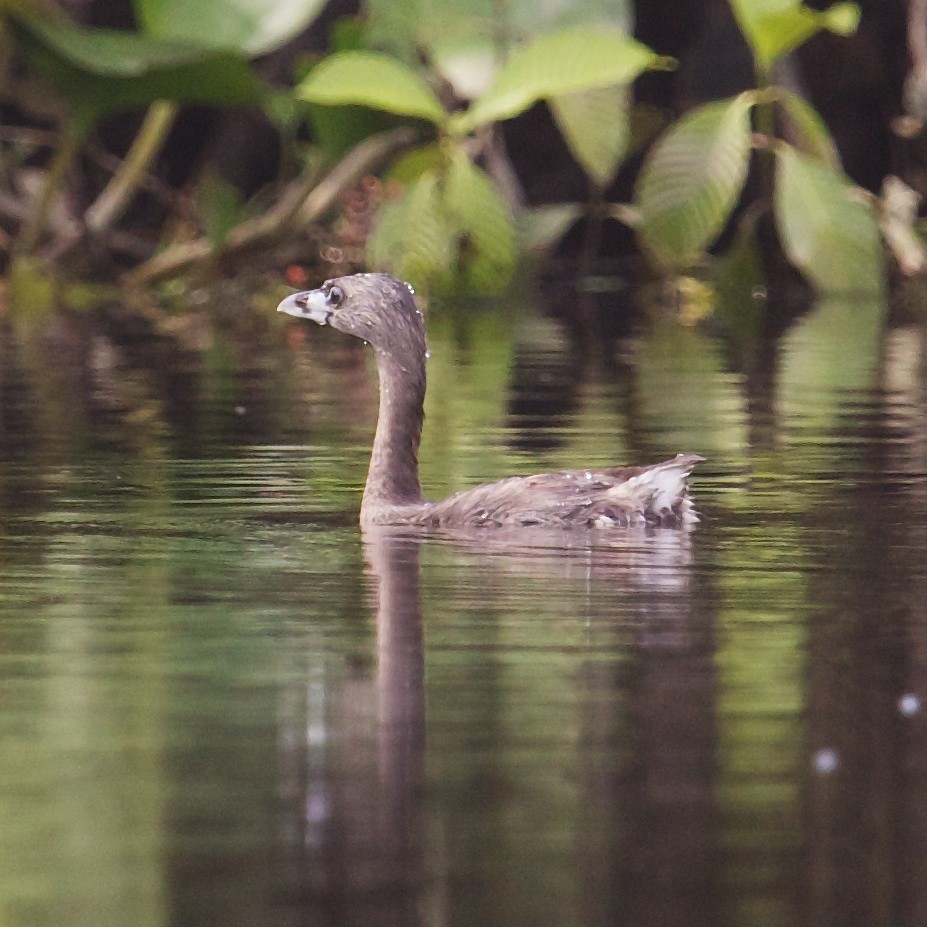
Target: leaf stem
point(764, 109)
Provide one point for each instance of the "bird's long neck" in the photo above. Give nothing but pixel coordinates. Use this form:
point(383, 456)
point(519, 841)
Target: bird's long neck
point(393, 475)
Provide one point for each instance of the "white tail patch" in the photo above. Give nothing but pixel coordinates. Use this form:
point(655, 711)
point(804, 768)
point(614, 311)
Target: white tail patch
point(659, 488)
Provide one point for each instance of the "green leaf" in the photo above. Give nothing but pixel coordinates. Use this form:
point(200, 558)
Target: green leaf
point(337, 129)
point(384, 244)
point(407, 28)
point(843, 18)
point(451, 226)
point(484, 226)
point(596, 128)
point(252, 27)
point(112, 52)
point(413, 238)
point(413, 164)
point(809, 132)
point(776, 27)
point(468, 66)
point(219, 205)
point(826, 228)
point(542, 227)
point(374, 80)
point(563, 62)
point(102, 71)
point(692, 179)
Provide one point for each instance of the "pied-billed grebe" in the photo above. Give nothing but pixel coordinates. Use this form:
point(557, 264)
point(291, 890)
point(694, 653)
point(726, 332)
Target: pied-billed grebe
point(381, 310)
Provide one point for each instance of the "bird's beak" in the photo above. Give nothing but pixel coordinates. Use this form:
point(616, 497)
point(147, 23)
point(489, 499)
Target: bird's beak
point(310, 304)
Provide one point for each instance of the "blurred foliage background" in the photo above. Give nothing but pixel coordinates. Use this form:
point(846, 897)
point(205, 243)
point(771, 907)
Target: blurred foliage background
point(713, 143)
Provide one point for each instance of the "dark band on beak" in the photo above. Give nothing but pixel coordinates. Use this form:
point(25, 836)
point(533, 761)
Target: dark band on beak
point(310, 304)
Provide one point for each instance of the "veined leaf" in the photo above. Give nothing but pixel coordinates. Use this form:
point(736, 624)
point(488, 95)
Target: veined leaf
point(252, 27)
point(450, 225)
point(485, 228)
point(384, 244)
point(375, 80)
point(692, 180)
point(562, 62)
point(427, 239)
point(413, 238)
point(775, 27)
point(595, 126)
point(810, 132)
point(826, 229)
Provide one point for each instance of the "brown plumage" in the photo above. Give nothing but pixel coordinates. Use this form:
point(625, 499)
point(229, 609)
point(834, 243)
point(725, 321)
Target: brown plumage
point(381, 310)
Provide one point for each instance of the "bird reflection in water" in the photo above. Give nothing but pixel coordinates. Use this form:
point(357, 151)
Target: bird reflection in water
point(372, 852)
point(355, 853)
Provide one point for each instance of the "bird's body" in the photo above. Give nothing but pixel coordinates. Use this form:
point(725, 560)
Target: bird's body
point(619, 497)
point(382, 311)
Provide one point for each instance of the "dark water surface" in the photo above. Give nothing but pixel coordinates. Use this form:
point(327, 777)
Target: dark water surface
point(219, 706)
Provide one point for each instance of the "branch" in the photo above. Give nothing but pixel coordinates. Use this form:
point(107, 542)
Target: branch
point(110, 205)
point(34, 223)
point(302, 203)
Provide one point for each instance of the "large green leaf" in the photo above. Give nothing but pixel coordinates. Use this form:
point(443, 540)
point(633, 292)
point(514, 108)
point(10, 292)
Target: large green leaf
point(101, 71)
point(827, 230)
point(253, 27)
point(692, 179)
point(775, 27)
point(563, 62)
point(483, 224)
point(112, 52)
point(413, 238)
point(371, 79)
point(450, 227)
point(442, 30)
point(595, 126)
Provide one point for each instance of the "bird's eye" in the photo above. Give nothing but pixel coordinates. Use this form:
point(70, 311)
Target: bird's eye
point(335, 296)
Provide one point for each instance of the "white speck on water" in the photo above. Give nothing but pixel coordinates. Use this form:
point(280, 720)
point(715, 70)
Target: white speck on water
point(587, 475)
point(825, 761)
point(909, 704)
point(758, 292)
point(240, 410)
